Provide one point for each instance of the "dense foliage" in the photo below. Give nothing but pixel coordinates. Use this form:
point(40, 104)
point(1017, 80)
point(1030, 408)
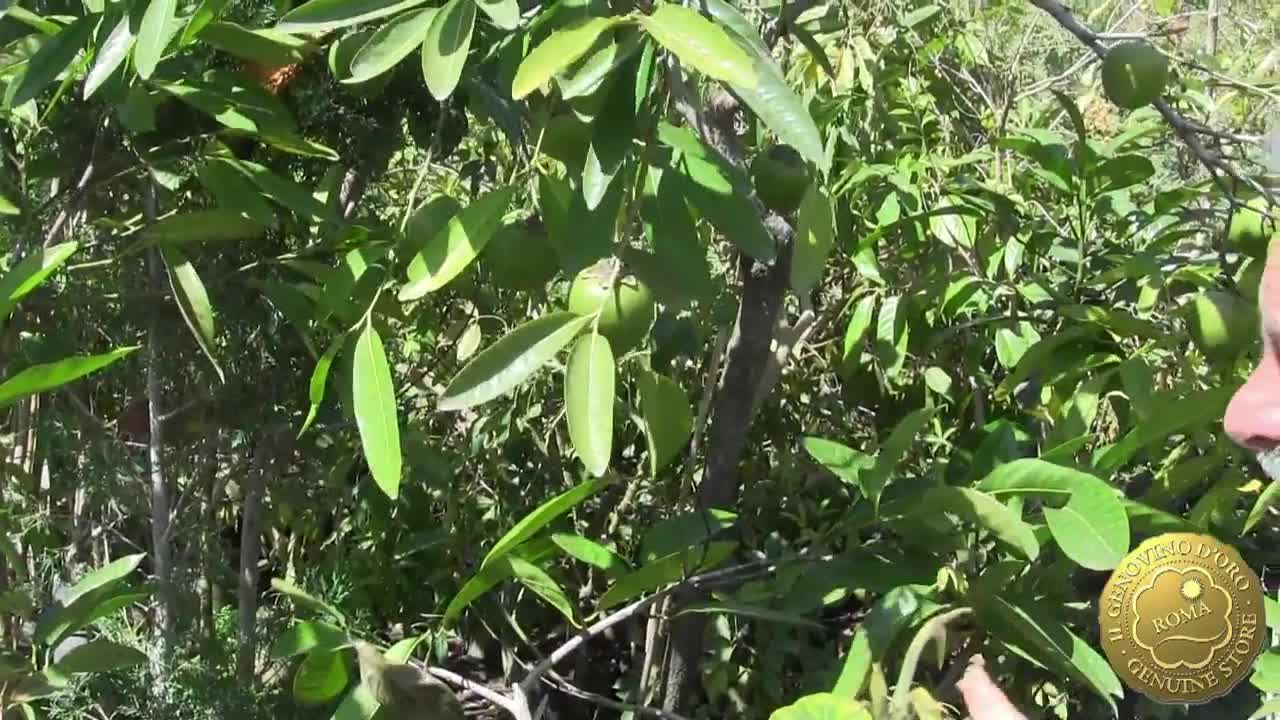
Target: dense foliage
point(459, 329)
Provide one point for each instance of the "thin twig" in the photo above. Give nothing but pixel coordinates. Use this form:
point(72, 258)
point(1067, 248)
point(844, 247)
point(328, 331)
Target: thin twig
point(483, 691)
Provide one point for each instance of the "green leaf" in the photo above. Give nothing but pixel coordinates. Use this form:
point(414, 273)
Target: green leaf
point(39, 378)
point(303, 599)
point(874, 480)
point(587, 76)
point(856, 668)
point(893, 335)
point(97, 656)
point(1092, 529)
point(755, 612)
point(102, 577)
point(1269, 496)
point(1170, 416)
point(320, 677)
point(111, 53)
point(668, 419)
point(359, 704)
point(611, 135)
point(201, 226)
point(269, 48)
point(984, 511)
point(29, 272)
point(845, 462)
point(204, 14)
point(505, 14)
point(534, 578)
point(771, 98)
point(374, 398)
point(320, 15)
point(235, 104)
point(320, 379)
point(859, 323)
point(453, 248)
point(228, 187)
point(588, 401)
point(814, 238)
point(561, 49)
point(823, 706)
point(444, 53)
point(153, 36)
point(591, 553)
point(666, 570)
point(392, 42)
point(306, 636)
point(193, 301)
point(508, 362)
point(700, 44)
point(683, 531)
point(55, 56)
point(492, 574)
point(284, 191)
point(542, 516)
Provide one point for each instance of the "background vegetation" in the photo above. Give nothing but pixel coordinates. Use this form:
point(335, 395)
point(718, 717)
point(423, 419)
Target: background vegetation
point(309, 269)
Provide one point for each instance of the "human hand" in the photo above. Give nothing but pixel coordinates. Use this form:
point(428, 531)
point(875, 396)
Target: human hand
point(984, 700)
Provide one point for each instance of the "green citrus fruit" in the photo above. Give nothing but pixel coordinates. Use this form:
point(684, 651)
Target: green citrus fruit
point(520, 259)
point(627, 311)
point(1249, 232)
point(1134, 74)
point(1221, 324)
point(781, 178)
point(1249, 279)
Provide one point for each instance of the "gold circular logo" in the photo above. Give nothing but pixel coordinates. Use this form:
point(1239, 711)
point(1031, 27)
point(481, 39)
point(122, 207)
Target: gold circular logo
point(1182, 618)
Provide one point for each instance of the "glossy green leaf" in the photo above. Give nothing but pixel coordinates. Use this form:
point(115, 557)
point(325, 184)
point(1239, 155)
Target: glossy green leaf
point(588, 75)
point(55, 627)
point(453, 248)
point(984, 511)
point(444, 53)
point(1092, 528)
point(54, 57)
point(269, 48)
point(153, 36)
point(668, 419)
point(374, 397)
point(771, 98)
point(875, 479)
point(100, 655)
point(542, 516)
point(235, 103)
point(856, 331)
point(823, 706)
point(305, 636)
point(502, 366)
point(1269, 496)
point(700, 44)
point(29, 272)
point(845, 462)
point(666, 570)
point(285, 191)
point(201, 226)
point(561, 49)
point(814, 237)
point(590, 552)
point(319, 381)
point(1172, 415)
point(505, 14)
point(611, 137)
point(537, 580)
point(206, 12)
point(494, 573)
point(320, 677)
point(106, 575)
point(588, 401)
point(39, 378)
point(684, 530)
point(228, 187)
point(193, 301)
point(359, 704)
point(304, 599)
point(320, 15)
point(893, 334)
point(110, 55)
point(857, 666)
point(390, 44)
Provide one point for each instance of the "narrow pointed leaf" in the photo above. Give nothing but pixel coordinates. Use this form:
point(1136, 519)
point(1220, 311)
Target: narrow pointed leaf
point(561, 49)
point(320, 15)
point(588, 400)
point(815, 236)
point(984, 511)
point(113, 52)
point(542, 516)
point(153, 36)
point(304, 599)
point(511, 360)
point(700, 44)
point(454, 247)
point(54, 56)
point(306, 636)
point(102, 577)
point(444, 53)
point(537, 580)
point(205, 13)
point(27, 275)
point(193, 301)
point(666, 570)
point(505, 14)
point(875, 479)
point(392, 42)
point(270, 48)
point(228, 187)
point(39, 378)
point(320, 379)
point(100, 655)
point(590, 552)
point(201, 226)
point(1092, 528)
point(374, 398)
point(668, 419)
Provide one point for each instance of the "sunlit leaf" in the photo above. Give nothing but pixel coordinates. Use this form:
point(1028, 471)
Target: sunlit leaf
point(588, 400)
point(153, 36)
point(374, 397)
point(508, 362)
point(39, 378)
point(557, 52)
point(29, 272)
point(700, 44)
point(453, 248)
point(444, 52)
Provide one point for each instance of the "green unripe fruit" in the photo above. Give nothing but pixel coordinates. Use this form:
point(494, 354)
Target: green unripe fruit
point(627, 311)
point(1134, 74)
point(1249, 280)
point(1221, 324)
point(1250, 230)
point(781, 178)
point(520, 259)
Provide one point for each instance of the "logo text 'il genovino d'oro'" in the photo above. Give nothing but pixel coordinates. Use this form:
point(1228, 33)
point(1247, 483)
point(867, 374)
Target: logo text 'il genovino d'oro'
point(1182, 618)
